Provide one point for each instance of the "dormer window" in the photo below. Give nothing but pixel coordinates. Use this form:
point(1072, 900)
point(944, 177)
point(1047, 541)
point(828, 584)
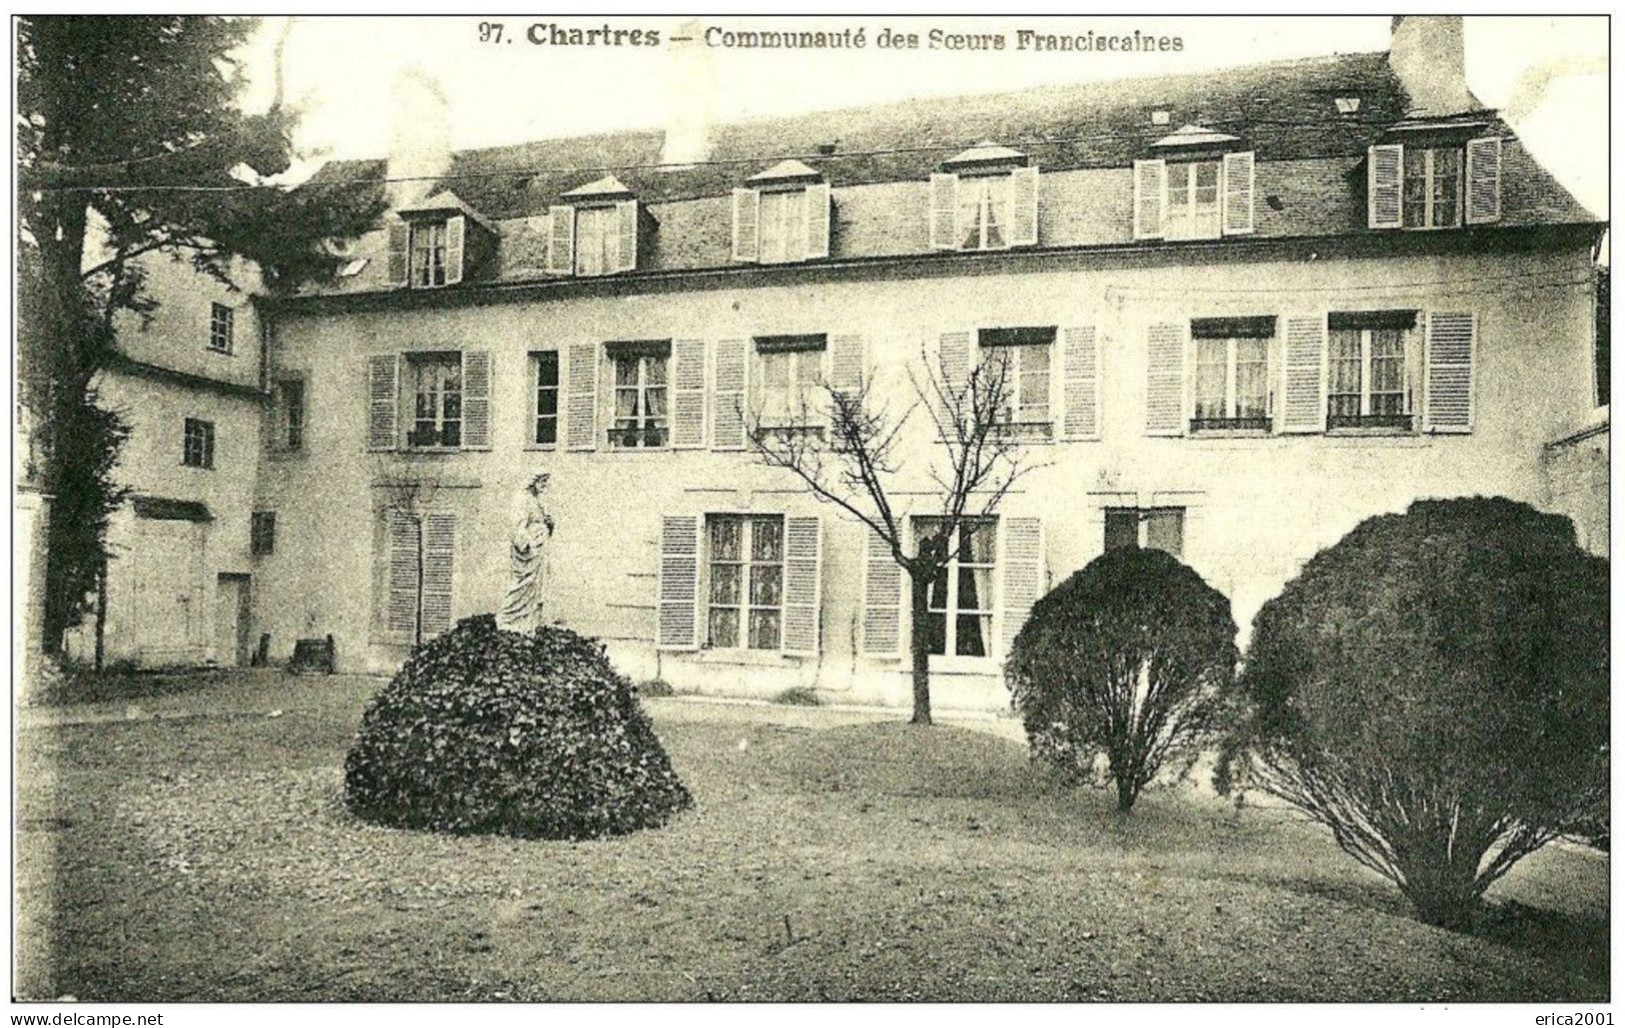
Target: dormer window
point(985, 198)
point(782, 215)
point(597, 232)
point(1433, 179)
point(439, 243)
point(1201, 188)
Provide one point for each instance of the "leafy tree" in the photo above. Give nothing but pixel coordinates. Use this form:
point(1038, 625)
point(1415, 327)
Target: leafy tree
point(1434, 690)
point(1118, 673)
point(856, 465)
point(130, 141)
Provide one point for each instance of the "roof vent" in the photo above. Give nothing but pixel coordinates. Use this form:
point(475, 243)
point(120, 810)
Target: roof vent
point(1161, 117)
point(1348, 105)
point(827, 149)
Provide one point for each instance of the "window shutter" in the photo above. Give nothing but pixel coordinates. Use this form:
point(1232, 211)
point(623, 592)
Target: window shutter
point(679, 587)
point(953, 360)
point(747, 211)
point(581, 396)
point(688, 394)
point(401, 608)
point(1165, 379)
point(561, 240)
point(944, 212)
point(728, 403)
point(882, 601)
point(1150, 186)
point(1022, 567)
point(1080, 389)
point(400, 237)
point(1303, 375)
point(1385, 173)
point(439, 543)
point(1483, 181)
point(1238, 193)
point(846, 364)
point(1448, 390)
point(383, 393)
point(456, 227)
point(476, 400)
point(627, 214)
point(1024, 207)
point(816, 204)
point(803, 589)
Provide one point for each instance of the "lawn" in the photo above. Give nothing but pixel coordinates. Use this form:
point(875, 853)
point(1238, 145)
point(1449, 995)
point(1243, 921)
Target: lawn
point(204, 854)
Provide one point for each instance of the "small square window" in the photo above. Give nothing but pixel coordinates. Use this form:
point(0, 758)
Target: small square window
point(221, 319)
point(197, 447)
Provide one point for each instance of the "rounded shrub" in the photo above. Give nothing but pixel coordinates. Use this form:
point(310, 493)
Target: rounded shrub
point(1434, 690)
point(1118, 671)
point(529, 735)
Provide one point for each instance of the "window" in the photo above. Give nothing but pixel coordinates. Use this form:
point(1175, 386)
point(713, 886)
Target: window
point(1231, 383)
point(959, 601)
point(1433, 187)
point(220, 325)
point(262, 533)
point(546, 430)
point(783, 226)
point(1366, 372)
point(598, 241)
point(197, 448)
point(984, 212)
point(1148, 528)
point(640, 400)
point(428, 253)
point(290, 404)
point(1025, 354)
point(436, 384)
point(745, 581)
point(789, 370)
point(1193, 201)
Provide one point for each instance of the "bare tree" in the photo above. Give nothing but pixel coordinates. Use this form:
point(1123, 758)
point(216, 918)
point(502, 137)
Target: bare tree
point(855, 465)
point(408, 493)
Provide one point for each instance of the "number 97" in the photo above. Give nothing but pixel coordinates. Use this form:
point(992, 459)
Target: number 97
point(490, 32)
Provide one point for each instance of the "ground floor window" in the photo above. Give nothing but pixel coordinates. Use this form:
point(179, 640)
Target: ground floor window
point(959, 602)
point(1152, 528)
point(745, 581)
point(262, 533)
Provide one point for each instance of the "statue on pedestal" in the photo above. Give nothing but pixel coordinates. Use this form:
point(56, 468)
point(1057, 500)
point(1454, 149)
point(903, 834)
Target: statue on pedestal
point(532, 528)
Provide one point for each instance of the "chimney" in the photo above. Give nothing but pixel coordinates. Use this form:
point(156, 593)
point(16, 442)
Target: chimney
point(419, 137)
point(1428, 56)
point(690, 99)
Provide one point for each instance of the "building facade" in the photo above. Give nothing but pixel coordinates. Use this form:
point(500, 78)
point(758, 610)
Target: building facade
point(1241, 312)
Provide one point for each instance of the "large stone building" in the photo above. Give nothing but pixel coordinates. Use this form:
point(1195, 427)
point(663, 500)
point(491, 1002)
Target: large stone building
point(1247, 310)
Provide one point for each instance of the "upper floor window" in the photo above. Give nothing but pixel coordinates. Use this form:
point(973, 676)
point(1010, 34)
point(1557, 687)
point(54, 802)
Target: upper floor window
point(221, 319)
point(428, 254)
point(1367, 370)
point(596, 232)
point(783, 215)
point(197, 443)
point(262, 533)
point(639, 394)
point(435, 383)
point(545, 368)
point(1193, 200)
point(1230, 387)
point(789, 370)
point(1021, 358)
point(744, 581)
point(290, 415)
point(1430, 185)
point(1195, 195)
point(985, 198)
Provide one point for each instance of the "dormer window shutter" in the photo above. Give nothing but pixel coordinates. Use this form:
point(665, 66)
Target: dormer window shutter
point(817, 203)
point(1150, 184)
point(1024, 206)
point(456, 230)
point(400, 237)
point(1238, 193)
point(1483, 181)
point(944, 211)
point(1385, 183)
point(561, 240)
point(747, 208)
point(627, 213)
